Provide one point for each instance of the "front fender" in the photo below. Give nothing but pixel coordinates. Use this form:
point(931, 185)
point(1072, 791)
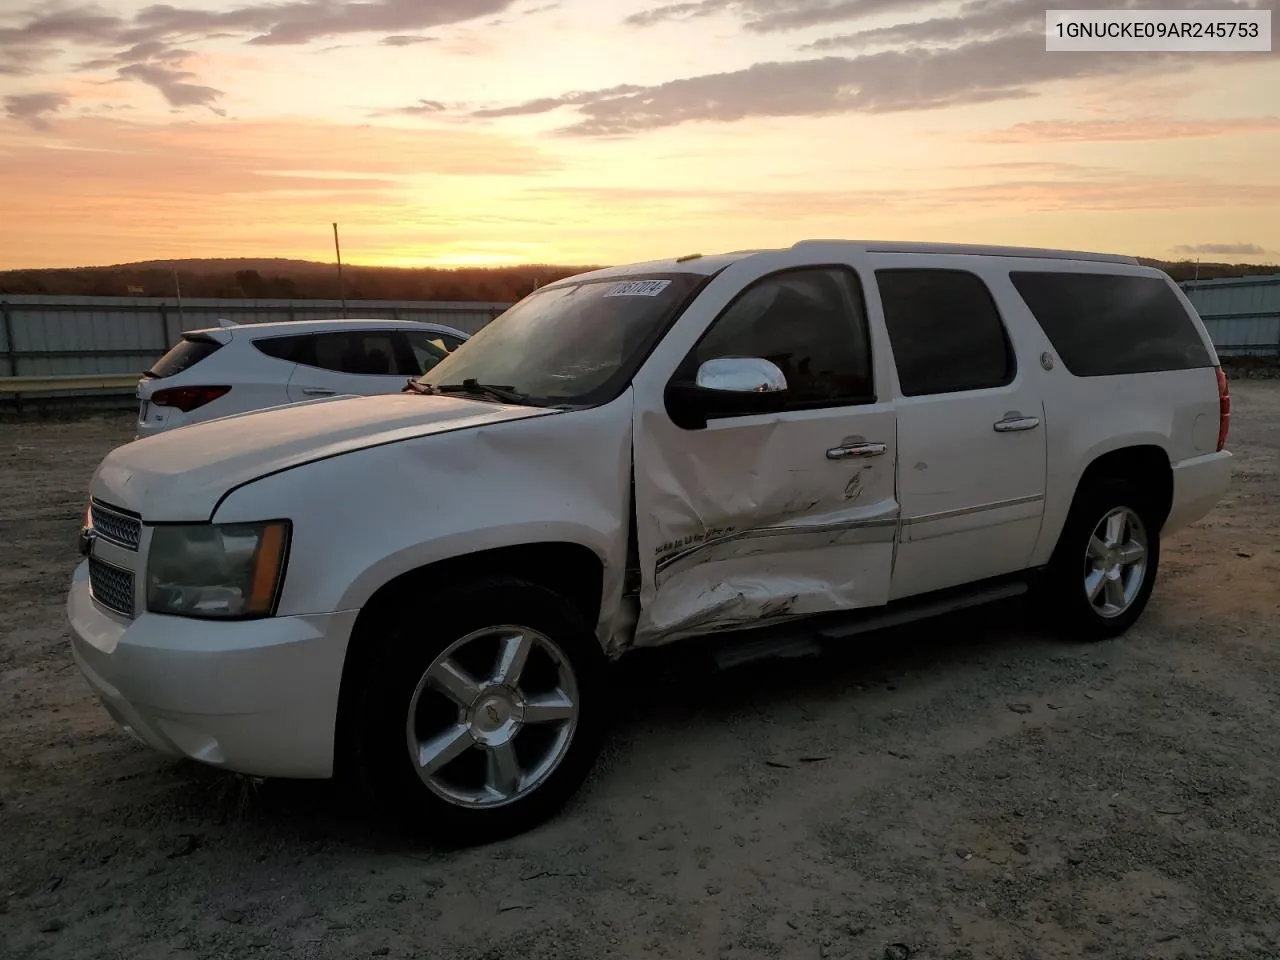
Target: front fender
point(363, 518)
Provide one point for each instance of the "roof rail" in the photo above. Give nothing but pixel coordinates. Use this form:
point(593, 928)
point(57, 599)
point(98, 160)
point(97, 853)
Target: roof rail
point(976, 249)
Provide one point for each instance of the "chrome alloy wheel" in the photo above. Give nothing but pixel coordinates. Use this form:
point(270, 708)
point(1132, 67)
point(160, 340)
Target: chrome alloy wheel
point(492, 716)
point(1115, 562)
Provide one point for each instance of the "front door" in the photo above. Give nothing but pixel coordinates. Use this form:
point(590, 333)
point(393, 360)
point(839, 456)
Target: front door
point(764, 515)
point(971, 431)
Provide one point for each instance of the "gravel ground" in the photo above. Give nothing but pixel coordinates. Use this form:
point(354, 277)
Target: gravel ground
point(966, 788)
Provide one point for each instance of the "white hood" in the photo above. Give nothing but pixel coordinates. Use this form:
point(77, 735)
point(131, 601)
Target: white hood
point(182, 474)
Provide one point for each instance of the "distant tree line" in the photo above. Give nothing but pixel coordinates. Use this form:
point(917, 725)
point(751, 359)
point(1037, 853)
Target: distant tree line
point(291, 280)
point(1189, 270)
point(307, 280)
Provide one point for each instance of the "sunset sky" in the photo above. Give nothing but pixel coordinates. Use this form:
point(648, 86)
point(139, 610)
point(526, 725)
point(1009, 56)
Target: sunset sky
point(602, 131)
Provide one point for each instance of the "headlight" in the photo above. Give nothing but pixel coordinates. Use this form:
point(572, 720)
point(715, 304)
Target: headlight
point(216, 570)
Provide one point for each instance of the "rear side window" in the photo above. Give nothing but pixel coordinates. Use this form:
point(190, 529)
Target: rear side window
point(185, 354)
point(945, 331)
point(366, 353)
point(1107, 324)
point(281, 348)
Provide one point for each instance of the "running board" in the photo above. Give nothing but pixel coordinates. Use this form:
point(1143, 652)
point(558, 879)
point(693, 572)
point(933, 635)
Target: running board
point(805, 637)
point(792, 647)
point(933, 607)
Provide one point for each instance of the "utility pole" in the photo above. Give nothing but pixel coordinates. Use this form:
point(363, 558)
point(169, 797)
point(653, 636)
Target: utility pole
point(342, 293)
point(177, 288)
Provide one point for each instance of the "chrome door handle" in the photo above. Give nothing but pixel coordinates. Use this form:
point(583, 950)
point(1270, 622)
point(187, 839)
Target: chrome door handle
point(1015, 423)
point(317, 392)
point(857, 450)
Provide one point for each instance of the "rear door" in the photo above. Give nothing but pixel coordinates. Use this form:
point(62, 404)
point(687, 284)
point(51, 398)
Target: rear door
point(759, 516)
point(971, 427)
point(362, 362)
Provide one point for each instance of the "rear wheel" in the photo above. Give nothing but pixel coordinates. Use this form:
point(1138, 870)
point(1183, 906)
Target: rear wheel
point(1104, 568)
point(483, 718)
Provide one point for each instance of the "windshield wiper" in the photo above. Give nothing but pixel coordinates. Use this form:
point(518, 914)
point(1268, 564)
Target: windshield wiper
point(505, 394)
point(413, 386)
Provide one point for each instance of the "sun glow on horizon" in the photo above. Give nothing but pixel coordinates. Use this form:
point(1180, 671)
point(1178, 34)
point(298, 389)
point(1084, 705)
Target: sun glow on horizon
point(648, 134)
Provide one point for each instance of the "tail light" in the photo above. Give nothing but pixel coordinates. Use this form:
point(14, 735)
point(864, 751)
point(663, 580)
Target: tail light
point(1224, 409)
point(187, 399)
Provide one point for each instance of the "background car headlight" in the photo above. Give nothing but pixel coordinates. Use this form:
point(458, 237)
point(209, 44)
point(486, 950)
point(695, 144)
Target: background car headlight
point(216, 570)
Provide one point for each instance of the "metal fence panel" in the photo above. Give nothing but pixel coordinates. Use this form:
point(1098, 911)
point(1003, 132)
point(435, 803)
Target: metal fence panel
point(54, 335)
point(48, 335)
point(1242, 314)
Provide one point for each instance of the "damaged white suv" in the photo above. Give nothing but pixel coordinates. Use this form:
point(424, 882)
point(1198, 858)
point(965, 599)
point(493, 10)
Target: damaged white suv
point(427, 589)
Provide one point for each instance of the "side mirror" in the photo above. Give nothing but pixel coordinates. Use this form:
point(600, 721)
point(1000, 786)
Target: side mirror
point(726, 387)
point(740, 375)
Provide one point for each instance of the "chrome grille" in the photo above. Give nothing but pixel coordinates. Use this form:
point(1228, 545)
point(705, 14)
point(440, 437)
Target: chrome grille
point(111, 586)
point(115, 525)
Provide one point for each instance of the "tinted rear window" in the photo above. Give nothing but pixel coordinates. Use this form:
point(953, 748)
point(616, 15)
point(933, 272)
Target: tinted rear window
point(281, 348)
point(1107, 324)
point(187, 353)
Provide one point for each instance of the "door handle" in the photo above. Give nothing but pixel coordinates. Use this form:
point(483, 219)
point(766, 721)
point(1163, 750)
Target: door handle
point(851, 450)
point(317, 392)
point(1014, 423)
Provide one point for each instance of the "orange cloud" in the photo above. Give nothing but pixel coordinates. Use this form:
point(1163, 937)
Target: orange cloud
point(92, 188)
point(238, 156)
point(1091, 190)
point(1147, 128)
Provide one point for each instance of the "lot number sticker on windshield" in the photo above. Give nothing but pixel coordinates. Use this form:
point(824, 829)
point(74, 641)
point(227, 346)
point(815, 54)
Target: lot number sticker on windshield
point(638, 288)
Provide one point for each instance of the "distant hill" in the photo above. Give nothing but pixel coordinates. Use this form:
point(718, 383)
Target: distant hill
point(259, 278)
point(255, 278)
point(229, 265)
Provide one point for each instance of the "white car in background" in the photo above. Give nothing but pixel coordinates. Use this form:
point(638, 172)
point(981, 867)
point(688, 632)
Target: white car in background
point(234, 368)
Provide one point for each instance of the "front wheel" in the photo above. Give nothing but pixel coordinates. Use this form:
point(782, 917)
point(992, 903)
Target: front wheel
point(481, 717)
point(1104, 568)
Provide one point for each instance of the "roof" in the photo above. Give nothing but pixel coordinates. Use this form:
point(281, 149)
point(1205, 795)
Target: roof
point(694, 263)
point(976, 250)
point(714, 263)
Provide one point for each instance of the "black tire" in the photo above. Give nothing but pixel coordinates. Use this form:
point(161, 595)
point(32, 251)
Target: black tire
point(412, 636)
point(1072, 612)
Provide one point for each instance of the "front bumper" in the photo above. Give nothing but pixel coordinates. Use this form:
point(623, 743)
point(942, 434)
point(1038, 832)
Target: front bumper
point(258, 697)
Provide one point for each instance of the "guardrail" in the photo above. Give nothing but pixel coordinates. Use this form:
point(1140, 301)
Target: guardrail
point(59, 388)
point(91, 381)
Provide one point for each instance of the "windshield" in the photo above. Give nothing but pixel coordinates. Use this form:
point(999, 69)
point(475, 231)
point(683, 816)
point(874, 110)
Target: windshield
point(575, 343)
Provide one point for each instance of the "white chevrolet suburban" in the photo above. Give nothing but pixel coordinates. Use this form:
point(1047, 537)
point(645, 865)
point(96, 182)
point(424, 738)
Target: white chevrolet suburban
point(429, 589)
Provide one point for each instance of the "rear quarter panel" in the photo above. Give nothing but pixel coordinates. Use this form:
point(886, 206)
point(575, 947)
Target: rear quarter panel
point(256, 380)
point(1086, 417)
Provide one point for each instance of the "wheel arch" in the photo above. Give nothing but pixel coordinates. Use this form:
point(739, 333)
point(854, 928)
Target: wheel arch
point(1146, 469)
point(1146, 464)
point(573, 570)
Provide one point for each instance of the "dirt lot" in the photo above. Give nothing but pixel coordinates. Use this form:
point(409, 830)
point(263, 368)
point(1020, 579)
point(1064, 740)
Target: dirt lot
point(967, 788)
